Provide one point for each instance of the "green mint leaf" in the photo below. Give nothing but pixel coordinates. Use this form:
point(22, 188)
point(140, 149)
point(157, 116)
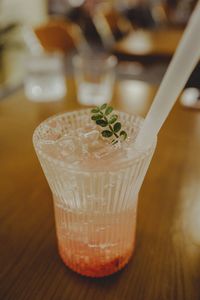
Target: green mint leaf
point(96, 117)
point(102, 123)
point(109, 109)
point(117, 127)
point(103, 117)
point(113, 119)
point(114, 142)
point(123, 135)
point(103, 106)
point(107, 133)
point(95, 110)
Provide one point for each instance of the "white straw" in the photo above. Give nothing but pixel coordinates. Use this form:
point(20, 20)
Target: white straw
point(178, 72)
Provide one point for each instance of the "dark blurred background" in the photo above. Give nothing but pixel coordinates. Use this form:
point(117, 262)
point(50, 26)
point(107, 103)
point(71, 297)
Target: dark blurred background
point(143, 34)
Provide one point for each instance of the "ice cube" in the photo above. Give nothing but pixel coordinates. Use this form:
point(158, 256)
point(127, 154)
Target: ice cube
point(90, 126)
point(47, 146)
point(47, 142)
point(91, 136)
point(103, 152)
point(84, 151)
point(117, 145)
point(66, 145)
point(66, 141)
point(86, 141)
point(79, 132)
point(51, 133)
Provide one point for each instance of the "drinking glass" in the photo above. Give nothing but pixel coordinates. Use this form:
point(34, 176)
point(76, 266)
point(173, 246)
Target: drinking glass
point(95, 204)
point(94, 76)
point(45, 80)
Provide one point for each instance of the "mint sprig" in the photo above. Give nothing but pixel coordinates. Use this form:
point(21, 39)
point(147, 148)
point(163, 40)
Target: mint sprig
point(104, 117)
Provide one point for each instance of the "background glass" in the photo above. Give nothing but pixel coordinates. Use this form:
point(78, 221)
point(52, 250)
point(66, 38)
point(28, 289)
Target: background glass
point(45, 80)
point(94, 77)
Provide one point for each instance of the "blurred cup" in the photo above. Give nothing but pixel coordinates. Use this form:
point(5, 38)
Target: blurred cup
point(45, 80)
point(94, 76)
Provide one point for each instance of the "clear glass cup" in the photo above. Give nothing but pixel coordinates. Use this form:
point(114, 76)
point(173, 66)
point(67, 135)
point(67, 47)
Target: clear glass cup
point(45, 79)
point(94, 76)
point(95, 205)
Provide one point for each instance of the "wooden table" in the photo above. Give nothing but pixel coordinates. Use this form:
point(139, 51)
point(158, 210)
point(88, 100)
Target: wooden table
point(148, 46)
point(166, 261)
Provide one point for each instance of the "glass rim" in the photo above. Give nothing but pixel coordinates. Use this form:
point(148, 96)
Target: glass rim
point(47, 61)
point(106, 61)
point(122, 165)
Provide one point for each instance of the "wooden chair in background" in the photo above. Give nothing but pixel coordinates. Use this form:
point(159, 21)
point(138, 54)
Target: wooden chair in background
point(60, 35)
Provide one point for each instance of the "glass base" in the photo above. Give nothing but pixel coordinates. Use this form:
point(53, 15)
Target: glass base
point(95, 268)
point(93, 243)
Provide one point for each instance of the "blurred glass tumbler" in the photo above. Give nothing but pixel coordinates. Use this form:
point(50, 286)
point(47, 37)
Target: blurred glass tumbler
point(94, 76)
point(95, 203)
point(45, 80)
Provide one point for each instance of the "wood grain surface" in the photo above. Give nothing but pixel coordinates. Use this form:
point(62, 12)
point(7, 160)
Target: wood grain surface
point(166, 261)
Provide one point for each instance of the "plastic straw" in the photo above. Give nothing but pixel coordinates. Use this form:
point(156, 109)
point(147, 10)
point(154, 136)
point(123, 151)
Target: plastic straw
point(179, 70)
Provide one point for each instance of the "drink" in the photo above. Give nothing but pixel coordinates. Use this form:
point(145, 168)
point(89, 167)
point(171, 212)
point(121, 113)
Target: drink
point(45, 79)
point(95, 244)
point(94, 76)
point(94, 93)
point(45, 86)
point(95, 189)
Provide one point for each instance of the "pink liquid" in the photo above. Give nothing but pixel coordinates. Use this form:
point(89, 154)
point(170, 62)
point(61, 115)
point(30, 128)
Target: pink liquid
point(95, 244)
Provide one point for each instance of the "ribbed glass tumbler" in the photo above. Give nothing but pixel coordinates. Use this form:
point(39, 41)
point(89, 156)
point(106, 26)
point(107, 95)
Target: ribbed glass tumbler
point(95, 207)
